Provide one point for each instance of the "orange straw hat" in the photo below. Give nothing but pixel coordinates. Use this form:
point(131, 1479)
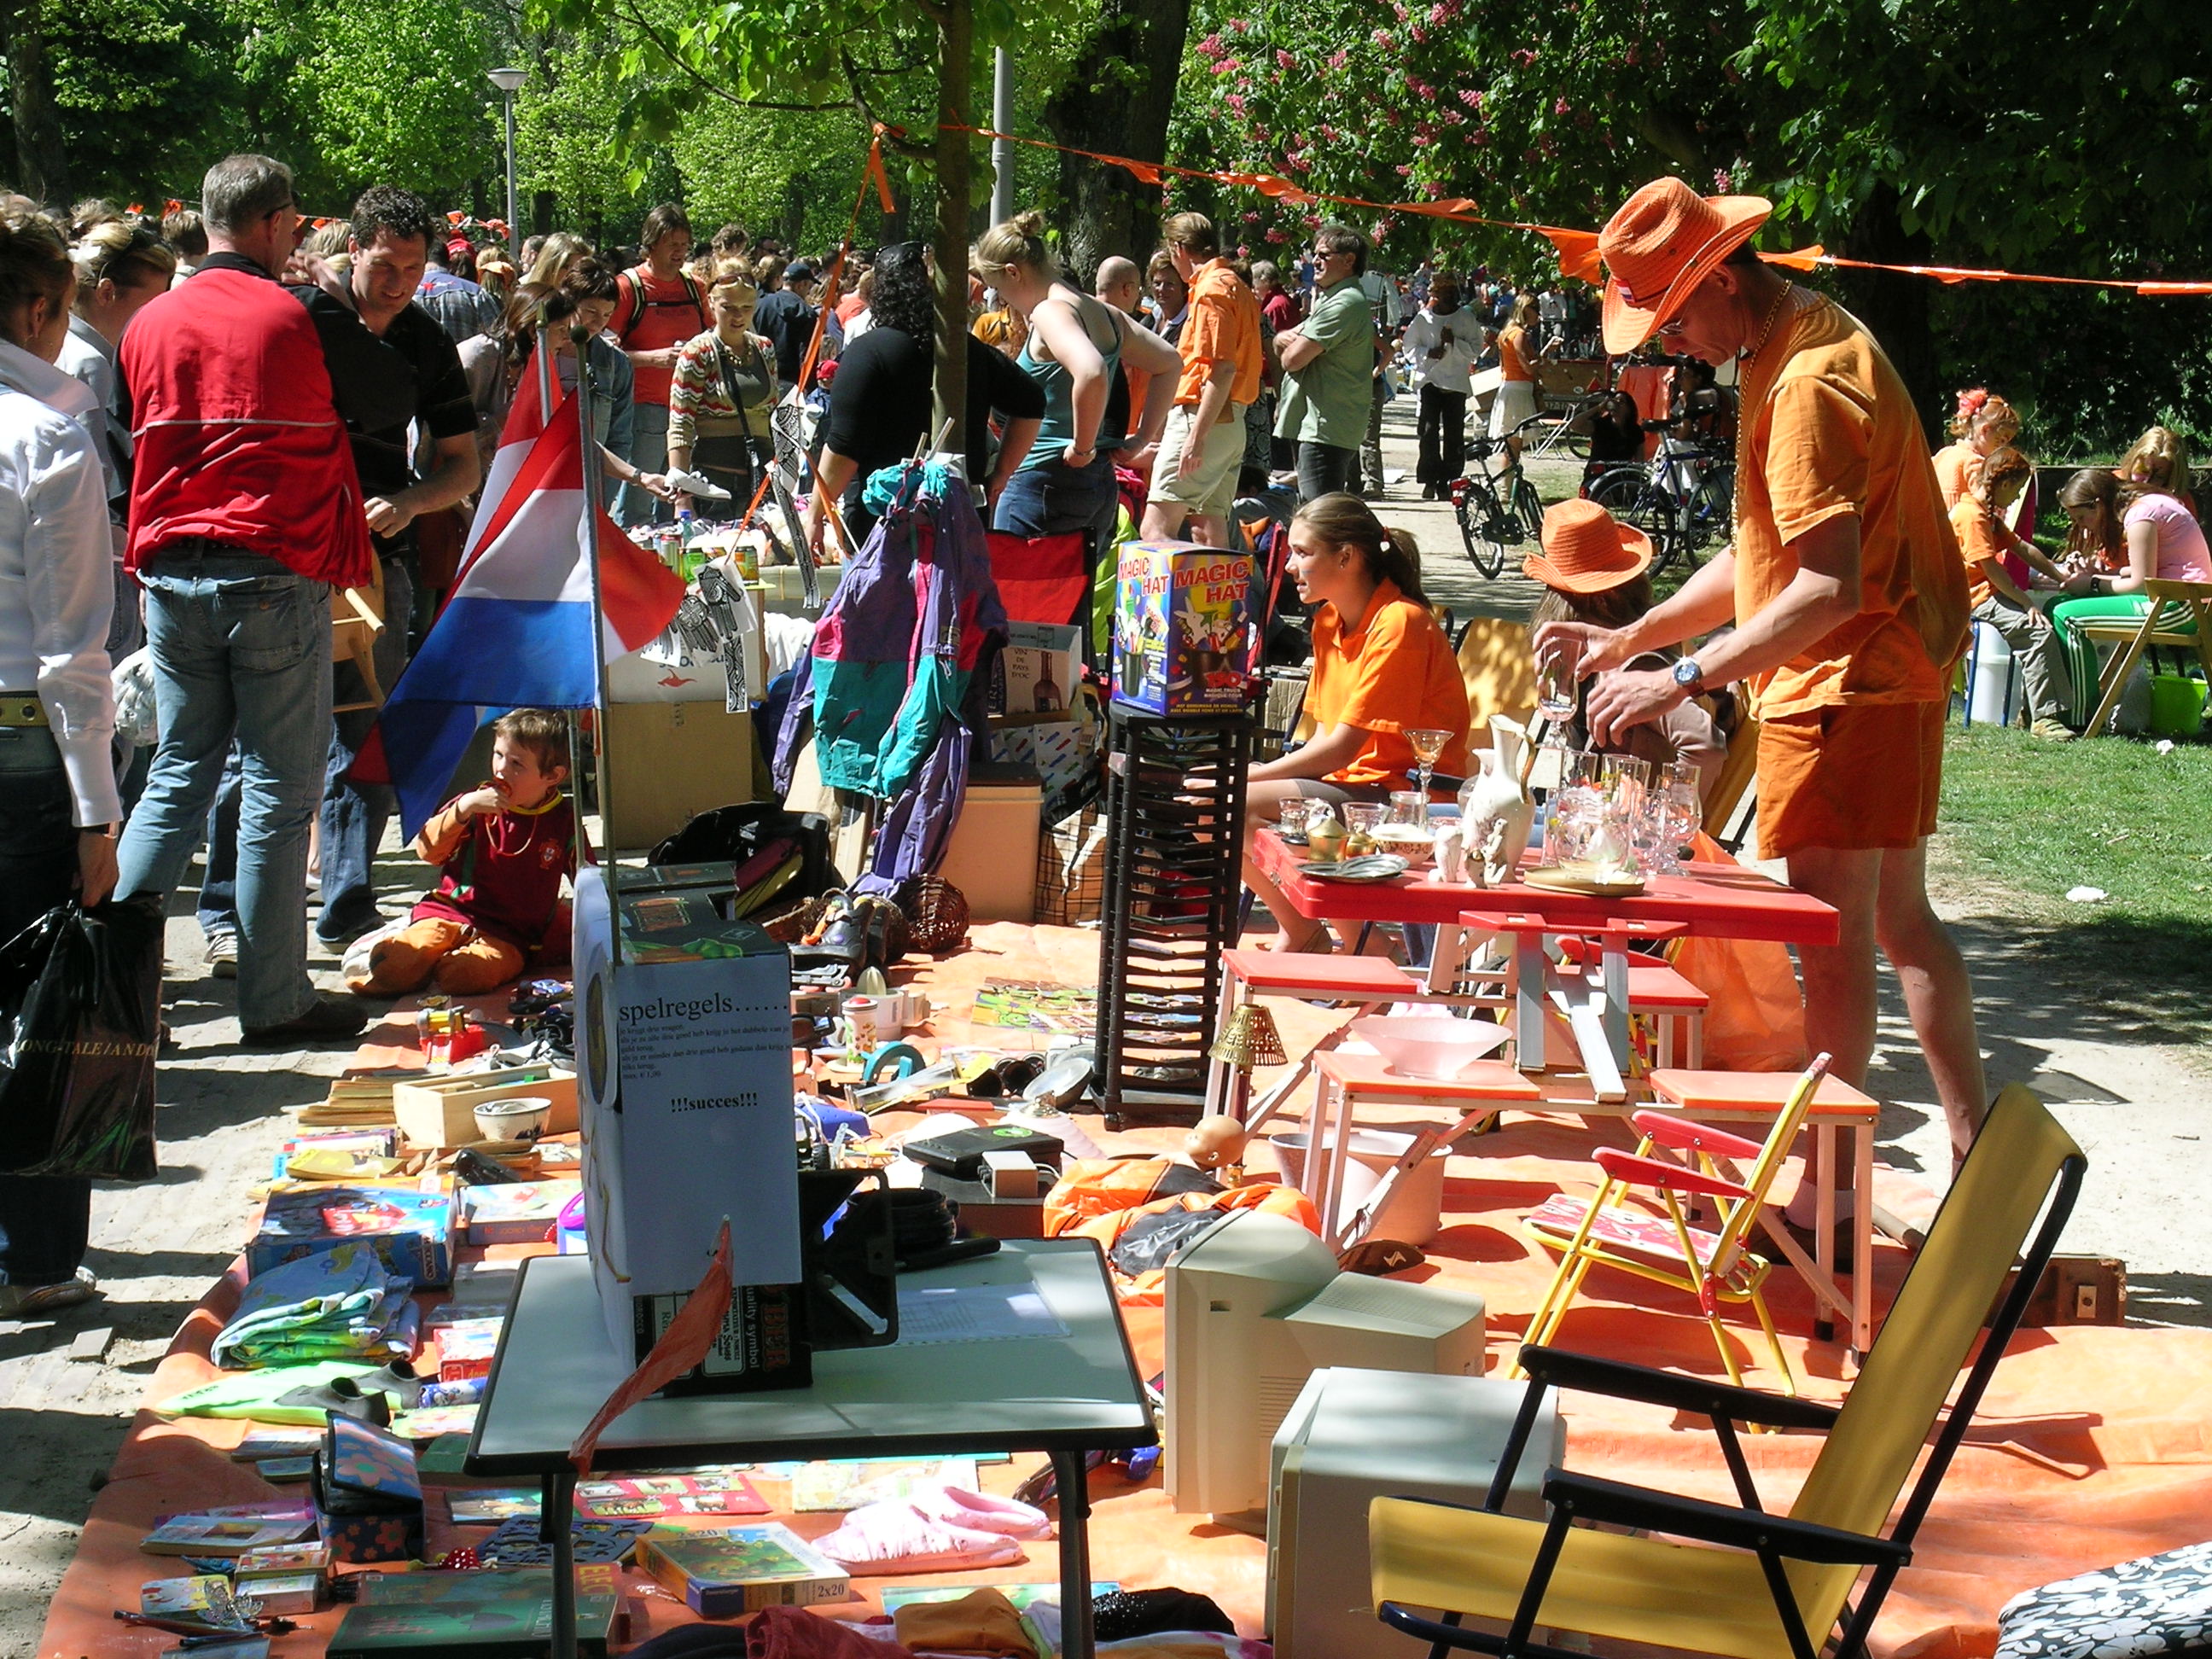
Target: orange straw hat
point(1587, 549)
point(1664, 241)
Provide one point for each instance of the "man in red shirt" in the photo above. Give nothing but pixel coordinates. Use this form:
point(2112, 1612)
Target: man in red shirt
point(1195, 475)
point(658, 309)
point(245, 510)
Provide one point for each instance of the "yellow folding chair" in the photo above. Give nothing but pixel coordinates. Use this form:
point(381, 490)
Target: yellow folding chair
point(1714, 1267)
point(1777, 1585)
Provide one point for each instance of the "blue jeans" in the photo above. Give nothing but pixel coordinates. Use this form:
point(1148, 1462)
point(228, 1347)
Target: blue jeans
point(218, 911)
point(649, 452)
point(45, 1220)
point(354, 814)
point(241, 648)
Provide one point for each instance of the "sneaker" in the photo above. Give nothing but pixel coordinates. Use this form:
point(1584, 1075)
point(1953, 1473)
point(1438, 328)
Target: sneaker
point(37, 1301)
point(222, 954)
point(326, 1020)
point(335, 937)
point(2052, 731)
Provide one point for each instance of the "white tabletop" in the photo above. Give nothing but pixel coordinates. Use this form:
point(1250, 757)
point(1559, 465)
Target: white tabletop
point(1076, 1392)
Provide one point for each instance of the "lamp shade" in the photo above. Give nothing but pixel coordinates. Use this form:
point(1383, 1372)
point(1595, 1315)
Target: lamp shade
point(1250, 1039)
point(509, 80)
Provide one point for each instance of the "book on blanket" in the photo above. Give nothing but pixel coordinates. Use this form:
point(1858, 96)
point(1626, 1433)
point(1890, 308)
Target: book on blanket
point(229, 1532)
point(739, 1569)
point(515, 1625)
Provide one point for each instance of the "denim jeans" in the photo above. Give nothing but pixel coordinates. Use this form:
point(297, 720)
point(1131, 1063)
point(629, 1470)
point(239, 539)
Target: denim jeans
point(241, 648)
point(218, 911)
point(649, 452)
point(354, 814)
point(44, 1219)
point(1324, 468)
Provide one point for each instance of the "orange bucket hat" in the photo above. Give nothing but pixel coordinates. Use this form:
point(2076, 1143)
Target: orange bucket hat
point(1587, 549)
point(1664, 241)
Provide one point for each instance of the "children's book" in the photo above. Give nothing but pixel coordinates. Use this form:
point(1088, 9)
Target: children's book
point(740, 1570)
point(225, 1532)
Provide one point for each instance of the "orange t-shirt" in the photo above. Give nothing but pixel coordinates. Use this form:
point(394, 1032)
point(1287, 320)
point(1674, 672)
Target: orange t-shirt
point(1512, 359)
point(1395, 672)
point(1954, 465)
point(1223, 322)
point(652, 315)
point(1828, 430)
point(1978, 546)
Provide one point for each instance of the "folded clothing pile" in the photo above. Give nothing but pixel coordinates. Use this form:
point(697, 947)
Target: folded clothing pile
point(935, 1529)
point(338, 1303)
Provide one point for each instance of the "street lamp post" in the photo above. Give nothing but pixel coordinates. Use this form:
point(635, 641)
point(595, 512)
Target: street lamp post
point(510, 82)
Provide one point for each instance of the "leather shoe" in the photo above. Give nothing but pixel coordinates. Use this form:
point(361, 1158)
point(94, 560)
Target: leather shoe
point(326, 1020)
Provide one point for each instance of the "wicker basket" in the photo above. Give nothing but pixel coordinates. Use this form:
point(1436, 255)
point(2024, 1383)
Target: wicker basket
point(792, 923)
point(936, 913)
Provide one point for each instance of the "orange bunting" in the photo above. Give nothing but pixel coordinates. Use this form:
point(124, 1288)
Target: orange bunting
point(876, 172)
point(1578, 251)
point(1803, 259)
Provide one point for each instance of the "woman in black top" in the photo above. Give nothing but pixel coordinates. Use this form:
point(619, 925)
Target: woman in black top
point(881, 401)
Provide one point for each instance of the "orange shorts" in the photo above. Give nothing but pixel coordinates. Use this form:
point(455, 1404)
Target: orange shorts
point(1851, 776)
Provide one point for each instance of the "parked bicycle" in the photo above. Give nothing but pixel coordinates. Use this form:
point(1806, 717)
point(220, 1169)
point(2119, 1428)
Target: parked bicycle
point(1496, 510)
point(1682, 498)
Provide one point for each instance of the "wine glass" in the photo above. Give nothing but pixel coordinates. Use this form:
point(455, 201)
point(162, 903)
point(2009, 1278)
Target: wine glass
point(1428, 743)
point(1555, 692)
point(1572, 813)
point(1686, 816)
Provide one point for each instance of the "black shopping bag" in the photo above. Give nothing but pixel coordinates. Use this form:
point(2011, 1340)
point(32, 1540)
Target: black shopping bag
point(80, 1010)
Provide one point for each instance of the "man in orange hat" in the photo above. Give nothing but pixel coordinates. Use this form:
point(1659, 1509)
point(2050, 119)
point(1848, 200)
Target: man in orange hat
point(1849, 602)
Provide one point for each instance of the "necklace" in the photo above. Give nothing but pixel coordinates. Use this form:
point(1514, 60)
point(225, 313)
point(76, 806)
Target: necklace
point(1773, 314)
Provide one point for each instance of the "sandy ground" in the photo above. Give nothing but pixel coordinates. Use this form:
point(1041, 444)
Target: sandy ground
point(2136, 1098)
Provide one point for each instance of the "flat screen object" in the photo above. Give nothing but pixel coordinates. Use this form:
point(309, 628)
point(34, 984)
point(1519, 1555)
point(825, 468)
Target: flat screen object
point(1254, 1305)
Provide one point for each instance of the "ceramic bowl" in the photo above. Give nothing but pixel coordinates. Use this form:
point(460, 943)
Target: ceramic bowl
point(524, 1118)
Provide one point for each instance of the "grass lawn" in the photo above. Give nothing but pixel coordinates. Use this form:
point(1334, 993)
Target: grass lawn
point(2037, 818)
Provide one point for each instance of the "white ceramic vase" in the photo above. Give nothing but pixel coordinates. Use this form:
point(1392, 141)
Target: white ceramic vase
point(1496, 810)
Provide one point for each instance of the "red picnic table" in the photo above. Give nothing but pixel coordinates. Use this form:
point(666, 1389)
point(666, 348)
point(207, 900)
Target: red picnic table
point(1717, 900)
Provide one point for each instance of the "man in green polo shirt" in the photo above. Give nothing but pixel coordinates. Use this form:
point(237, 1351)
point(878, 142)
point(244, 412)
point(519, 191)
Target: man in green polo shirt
point(1328, 367)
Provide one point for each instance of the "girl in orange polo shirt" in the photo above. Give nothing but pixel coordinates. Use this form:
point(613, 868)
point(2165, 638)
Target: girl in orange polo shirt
point(1381, 666)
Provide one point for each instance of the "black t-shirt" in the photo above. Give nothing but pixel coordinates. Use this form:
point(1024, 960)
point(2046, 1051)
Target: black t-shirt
point(415, 372)
point(789, 321)
point(879, 403)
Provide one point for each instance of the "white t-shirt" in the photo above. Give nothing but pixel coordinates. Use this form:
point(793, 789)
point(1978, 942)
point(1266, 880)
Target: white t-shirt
point(1449, 373)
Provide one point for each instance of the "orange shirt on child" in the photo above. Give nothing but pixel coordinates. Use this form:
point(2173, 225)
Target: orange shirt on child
point(1394, 672)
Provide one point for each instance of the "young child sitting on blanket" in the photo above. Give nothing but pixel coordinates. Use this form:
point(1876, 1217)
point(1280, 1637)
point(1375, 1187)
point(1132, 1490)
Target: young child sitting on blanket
point(503, 851)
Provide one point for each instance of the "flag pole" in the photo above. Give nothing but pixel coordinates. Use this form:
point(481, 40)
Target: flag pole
point(543, 366)
point(581, 337)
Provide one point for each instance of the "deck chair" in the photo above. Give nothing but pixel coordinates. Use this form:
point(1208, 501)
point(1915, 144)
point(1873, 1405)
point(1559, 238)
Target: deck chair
point(2172, 605)
point(356, 618)
point(1715, 1266)
point(1735, 801)
point(1778, 1585)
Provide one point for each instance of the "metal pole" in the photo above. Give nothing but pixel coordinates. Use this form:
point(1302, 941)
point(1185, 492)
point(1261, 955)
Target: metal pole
point(513, 228)
point(1002, 150)
point(581, 337)
point(955, 42)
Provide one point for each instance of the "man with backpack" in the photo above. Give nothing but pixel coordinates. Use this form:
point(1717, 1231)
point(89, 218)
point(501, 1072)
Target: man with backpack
point(659, 307)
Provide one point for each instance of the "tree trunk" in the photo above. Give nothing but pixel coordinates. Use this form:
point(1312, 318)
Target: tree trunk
point(955, 39)
point(1894, 306)
point(1116, 100)
point(41, 159)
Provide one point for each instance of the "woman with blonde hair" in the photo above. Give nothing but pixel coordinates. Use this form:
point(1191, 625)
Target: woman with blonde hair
point(557, 256)
point(1515, 399)
point(724, 387)
point(1073, 345)
point(1981, 424)
point(2136, 533)
point(2158, 460)
point(121, 263)
point(1382, 667)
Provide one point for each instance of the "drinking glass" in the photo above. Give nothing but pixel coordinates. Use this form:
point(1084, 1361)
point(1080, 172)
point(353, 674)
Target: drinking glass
point(1408, 806)
point(1428, 744)
point(1362, 817)
point(1649, 829)
point(1574, 811)
point(1555, 692)
point(1686, 816)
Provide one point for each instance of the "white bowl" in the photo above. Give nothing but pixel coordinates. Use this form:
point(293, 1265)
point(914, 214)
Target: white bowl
point(1417, 846)
point(1433, 1046)
point(523, 1118)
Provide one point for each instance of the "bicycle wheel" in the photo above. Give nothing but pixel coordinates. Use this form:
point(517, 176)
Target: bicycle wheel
point(1529, 508)
point(1629, 495)
point(1706, 519)
point(1476, 506)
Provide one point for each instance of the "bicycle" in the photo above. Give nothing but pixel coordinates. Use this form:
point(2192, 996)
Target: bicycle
point(1683, 498)
point(1495, 509)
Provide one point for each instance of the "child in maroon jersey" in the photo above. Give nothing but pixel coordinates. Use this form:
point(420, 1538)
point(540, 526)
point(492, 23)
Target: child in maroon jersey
point(503, 851)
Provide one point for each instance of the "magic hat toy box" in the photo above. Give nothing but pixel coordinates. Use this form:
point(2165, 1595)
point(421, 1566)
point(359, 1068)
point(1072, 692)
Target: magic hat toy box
point(1183, 628)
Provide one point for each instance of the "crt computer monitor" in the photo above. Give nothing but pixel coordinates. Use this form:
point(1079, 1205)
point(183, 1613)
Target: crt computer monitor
point(1254, 1305)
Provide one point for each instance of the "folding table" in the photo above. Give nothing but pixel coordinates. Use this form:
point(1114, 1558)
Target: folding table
point(1061, 1394)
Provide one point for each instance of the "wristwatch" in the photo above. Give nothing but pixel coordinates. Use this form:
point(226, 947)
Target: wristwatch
point(1689, 676)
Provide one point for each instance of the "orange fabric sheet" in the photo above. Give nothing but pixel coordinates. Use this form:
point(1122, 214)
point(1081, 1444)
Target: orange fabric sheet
point(2093, 1445)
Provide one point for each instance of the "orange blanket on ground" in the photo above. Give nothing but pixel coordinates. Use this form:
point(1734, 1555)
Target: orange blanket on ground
point(2092, 1446)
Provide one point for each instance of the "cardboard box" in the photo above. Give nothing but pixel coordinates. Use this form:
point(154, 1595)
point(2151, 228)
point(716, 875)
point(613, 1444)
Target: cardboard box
point(1183, 627)
point(685, 1070)
point(514, 1213)
point(669, 761)
point(992, 856)
point(411, 1231)
point(1063, 753)
point(441, 1112)
point(1039, 669)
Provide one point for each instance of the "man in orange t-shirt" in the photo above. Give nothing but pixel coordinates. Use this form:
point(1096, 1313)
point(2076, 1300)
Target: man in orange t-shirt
point(1849, 600)
point(1194, 478)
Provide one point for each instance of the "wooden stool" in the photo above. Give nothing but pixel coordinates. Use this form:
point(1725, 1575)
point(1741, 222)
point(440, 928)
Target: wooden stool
point(1482, 1089)
point(1372, 982)
point(1755, 1098)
